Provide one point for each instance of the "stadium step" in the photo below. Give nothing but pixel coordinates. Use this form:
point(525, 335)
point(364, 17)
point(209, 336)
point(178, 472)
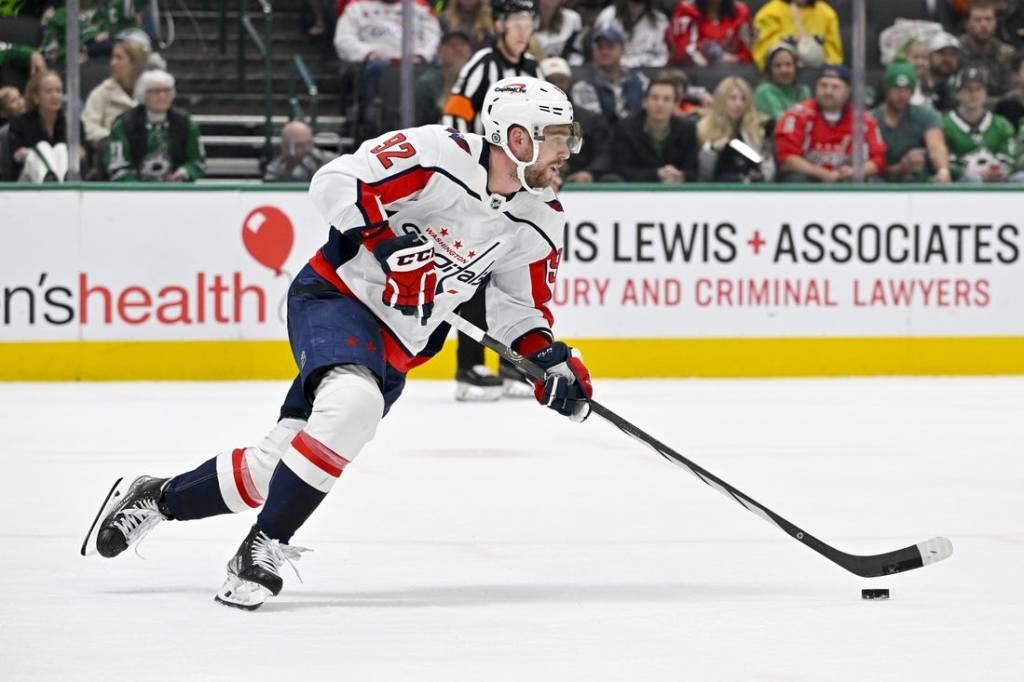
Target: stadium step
point(230, 113)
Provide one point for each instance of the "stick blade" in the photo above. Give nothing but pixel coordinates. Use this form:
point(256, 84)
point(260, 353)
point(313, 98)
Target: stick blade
point(906, 559)
point(935, 550)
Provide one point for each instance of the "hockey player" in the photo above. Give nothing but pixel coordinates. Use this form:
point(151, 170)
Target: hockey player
point(419, 220)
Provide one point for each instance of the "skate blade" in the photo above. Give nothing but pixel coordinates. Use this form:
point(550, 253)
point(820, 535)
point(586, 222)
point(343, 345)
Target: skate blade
point(117, 491)
point(513, 388)
point(242, 594)
point(477, 394)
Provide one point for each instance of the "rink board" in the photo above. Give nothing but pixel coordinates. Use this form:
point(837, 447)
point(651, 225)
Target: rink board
point(224, 360)
point(120, 282)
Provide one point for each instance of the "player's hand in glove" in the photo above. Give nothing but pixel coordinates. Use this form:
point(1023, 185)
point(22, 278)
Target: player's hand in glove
point(410, 280)
point(566, 386)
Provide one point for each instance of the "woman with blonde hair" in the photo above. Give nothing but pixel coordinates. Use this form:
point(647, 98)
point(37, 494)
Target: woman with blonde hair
point(731, 136)
point(38, 138)
point(472, 17)
point(113, 97)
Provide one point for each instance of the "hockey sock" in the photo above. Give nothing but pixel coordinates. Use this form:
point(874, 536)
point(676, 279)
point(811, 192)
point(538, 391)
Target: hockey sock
point(195, 494)
point(347, 407)
point(299, 484)
point(233, 481)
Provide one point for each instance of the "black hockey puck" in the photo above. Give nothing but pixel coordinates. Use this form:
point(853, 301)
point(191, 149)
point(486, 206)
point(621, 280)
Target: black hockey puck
point(874, 594)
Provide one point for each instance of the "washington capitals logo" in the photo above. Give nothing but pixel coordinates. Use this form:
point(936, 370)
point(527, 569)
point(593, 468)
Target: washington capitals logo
point(459, 139)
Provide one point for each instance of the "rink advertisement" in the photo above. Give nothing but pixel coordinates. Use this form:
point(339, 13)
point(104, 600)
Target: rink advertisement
point(807, 264)
point(192, 283)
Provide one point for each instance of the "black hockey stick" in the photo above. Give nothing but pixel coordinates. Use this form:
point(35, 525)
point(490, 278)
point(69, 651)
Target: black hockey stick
point(908, 558)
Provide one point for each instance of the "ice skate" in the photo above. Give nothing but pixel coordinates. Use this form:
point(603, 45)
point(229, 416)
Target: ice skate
point(127, 514)
point(477, 384)
point(253, 575)
point(514, 383)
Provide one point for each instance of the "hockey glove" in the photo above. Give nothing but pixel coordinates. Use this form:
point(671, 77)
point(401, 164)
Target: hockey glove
point(566, 386)
point(410, 280)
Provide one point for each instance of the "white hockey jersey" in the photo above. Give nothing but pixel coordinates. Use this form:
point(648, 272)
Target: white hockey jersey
point(433, 180)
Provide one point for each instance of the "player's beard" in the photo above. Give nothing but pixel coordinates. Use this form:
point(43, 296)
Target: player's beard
point(538, 177)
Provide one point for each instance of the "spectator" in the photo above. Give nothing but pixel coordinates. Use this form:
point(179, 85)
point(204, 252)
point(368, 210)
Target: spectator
point(433, 85)
point(558, 30)
point(981, 144)
point(779, 90)
point(693, 99)
point(605, 86)
point(298, 158)
point(470, 17)
point(643, 28)
point(37, 139)
point(654, 144)
point(913, 134)
point(594, 159)
point(732, 116)
point(1011, 106)
point(915, 51)
point(513, 25)
point(24, 57)
point(981, 49)
point(113, 97)
point(98, 28)
point(812, 26)
point(371, 31)
point(12, 104)
point(943, 64)
point(1010, 23)
point(707, 32)
point(154, 142)
point(813, 140)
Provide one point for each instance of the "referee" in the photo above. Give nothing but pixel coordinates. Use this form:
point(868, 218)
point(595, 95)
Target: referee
point(513, 24)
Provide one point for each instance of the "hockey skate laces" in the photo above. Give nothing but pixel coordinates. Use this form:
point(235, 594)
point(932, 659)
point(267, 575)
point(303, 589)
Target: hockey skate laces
point(136, 521)
point(271, 554)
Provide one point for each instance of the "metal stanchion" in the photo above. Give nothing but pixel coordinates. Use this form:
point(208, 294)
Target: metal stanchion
point(859, 37)
point(408, 104)
point(72, 113)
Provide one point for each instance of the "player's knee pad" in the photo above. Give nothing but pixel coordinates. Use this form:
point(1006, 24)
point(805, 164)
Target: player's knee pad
point(347, 407)
point(244, 473)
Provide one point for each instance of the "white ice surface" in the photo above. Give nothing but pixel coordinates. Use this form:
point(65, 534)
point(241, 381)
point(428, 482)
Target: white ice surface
point(501, 542)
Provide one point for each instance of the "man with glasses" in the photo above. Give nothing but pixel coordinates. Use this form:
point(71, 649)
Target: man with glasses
point(298, 158)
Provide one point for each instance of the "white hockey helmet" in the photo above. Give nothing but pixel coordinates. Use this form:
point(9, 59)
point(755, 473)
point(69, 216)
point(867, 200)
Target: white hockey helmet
point(532, 104)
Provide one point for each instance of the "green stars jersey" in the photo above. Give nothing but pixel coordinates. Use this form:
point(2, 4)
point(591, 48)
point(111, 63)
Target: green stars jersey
point(992, 135)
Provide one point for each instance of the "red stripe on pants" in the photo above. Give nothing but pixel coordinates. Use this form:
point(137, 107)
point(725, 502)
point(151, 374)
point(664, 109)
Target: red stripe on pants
point(243, 479)
point(325, 459)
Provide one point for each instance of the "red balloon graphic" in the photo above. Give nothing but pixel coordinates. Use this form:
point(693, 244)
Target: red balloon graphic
point(268, 236)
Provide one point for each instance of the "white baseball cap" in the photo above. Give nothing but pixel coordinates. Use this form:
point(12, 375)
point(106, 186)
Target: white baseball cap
point(940, 41)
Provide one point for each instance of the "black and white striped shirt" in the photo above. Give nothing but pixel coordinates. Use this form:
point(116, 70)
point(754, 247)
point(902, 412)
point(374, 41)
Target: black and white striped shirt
point(485, 67)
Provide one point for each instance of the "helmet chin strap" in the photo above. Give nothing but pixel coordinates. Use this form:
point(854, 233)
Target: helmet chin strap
point(521, 166)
